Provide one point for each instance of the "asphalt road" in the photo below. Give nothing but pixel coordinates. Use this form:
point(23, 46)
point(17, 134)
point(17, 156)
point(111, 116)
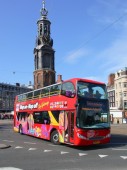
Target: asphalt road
point(29, 153)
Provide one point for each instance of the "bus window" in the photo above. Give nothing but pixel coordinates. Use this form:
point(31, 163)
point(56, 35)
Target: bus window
point(22, 116)
point(24, 97)
point(45, 92)
point(56, 114)
point(19, 98)
point(55, 89)
point(68, 89)
point(29, 95)
point(37, 93)
point(41, 117)
point(90, 90)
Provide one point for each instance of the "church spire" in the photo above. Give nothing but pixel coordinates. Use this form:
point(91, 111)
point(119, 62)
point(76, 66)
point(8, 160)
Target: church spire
point(44, 60)
point(44, 11)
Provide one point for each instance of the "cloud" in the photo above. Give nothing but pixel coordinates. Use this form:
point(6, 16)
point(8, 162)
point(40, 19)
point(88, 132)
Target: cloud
point(74, 56)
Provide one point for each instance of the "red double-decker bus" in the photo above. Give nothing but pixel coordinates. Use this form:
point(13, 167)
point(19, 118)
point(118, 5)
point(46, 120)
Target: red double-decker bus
point(74, 112)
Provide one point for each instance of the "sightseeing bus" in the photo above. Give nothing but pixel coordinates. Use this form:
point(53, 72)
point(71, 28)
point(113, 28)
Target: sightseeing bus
point(74, 112)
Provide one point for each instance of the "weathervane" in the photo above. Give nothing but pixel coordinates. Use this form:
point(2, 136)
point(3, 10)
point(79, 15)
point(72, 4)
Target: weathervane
point(44, 11)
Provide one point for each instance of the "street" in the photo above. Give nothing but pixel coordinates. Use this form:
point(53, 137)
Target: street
point(29, 153)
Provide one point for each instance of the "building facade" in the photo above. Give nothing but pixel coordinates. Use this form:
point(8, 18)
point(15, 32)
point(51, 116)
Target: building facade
point(44, 73)
point(111, 90)
point(121, 88)
point(117, 94)
point(7, 95)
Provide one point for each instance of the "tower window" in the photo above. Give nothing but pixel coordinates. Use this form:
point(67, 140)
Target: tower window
point(45, 29)
point(37, 65)
point(40, 29)
point(46, 61)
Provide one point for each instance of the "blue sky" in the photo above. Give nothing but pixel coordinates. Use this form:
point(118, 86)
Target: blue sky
point(90, 38)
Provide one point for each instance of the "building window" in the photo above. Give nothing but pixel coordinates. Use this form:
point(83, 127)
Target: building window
point(118, 74)
point(40, 29)
point(46, 61)
point(120, 94)
point(125, 85)
point(124, 94)
point(125, 104)
point(37, 62)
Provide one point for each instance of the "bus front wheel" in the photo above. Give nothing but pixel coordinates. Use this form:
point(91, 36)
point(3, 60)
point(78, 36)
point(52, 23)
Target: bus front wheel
point(55, 137)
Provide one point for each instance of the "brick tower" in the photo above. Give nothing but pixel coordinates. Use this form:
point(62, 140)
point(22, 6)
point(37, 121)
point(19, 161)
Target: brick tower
point(44, 73)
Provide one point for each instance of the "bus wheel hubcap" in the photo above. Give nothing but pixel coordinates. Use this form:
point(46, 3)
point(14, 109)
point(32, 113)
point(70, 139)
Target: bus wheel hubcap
point(55, 137)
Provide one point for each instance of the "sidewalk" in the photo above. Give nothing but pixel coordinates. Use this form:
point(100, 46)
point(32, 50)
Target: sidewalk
point(120, 129)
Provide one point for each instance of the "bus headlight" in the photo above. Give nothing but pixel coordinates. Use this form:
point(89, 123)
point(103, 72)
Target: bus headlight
point(108, 135)
point(81, 136)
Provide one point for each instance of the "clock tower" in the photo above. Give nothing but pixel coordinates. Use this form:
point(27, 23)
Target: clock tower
point(44, 73)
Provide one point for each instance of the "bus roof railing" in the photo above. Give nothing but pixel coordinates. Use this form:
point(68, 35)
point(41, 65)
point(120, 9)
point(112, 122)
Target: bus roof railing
point(40, 93)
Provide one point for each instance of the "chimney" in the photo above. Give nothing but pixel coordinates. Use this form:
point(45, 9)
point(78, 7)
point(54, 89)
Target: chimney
point(59, 78)
point(111, 79)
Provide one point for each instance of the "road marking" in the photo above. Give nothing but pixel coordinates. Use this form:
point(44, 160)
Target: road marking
point(63, 152)
point(52, 145)
point(102, 156)
point(47, 150)
point(30, 143)
point(82, 154)
point(119, 149)
point(8, 141)
point(10, 168)
point(124, 157)
point(18, 147)
point(32, 149)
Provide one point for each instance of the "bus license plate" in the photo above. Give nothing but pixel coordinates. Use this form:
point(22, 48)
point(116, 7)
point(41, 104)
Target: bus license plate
point(96, 142)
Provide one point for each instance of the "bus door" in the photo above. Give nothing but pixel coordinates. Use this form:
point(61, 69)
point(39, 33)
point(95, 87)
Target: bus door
point(69, 127)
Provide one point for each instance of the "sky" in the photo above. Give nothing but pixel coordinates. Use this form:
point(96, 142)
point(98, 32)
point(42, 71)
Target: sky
point(90, 38)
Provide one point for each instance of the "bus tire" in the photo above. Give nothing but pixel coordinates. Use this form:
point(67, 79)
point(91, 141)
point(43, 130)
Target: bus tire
point(20, 129)
point(55, 137)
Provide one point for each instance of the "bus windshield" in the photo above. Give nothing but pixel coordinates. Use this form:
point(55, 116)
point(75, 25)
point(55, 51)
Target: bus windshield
point(93, 114)
point(91, 90)
point(93, 108)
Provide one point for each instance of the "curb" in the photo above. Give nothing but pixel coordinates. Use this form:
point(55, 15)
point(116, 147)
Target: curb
point(3, 146)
